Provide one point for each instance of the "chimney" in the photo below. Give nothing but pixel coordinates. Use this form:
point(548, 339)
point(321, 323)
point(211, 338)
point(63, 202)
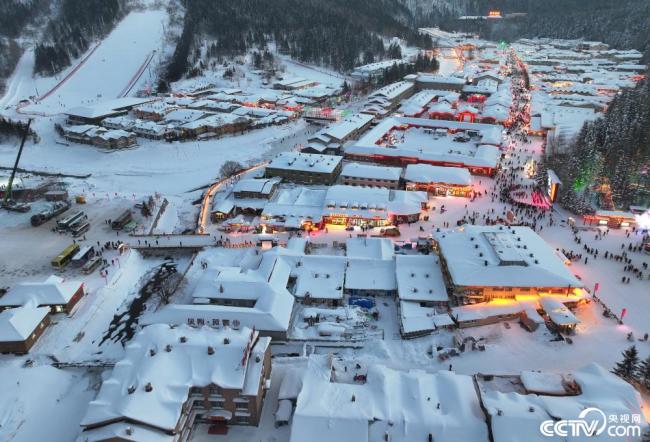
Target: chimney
point(152, 352)
point(131, 389)
point(168, 348)
point(148, 388)
point(210, 350)
point(183, 339)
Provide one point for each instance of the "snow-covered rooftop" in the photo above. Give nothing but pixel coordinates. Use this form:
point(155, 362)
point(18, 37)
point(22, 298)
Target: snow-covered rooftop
point(106, 108)
point(419, 278)
point(265, 285)
point(405, 405)
point(502, 256)
point(370, 274)
point(17, 324)
point(306, 162)
point(171, 360)
point(320, 277)
point(369, 248)
point(425, 173)
point(53, 291)
point(358, 170)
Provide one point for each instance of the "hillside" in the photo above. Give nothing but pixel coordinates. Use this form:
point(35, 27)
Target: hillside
point(624, 24)
point(338, 33)
point(15, 15)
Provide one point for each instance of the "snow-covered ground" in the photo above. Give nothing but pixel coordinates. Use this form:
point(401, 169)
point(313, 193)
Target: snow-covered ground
point(40, 398)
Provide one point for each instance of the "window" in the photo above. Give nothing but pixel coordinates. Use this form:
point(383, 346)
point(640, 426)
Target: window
point(242, 419)
point(217, 404)
point(241, 405)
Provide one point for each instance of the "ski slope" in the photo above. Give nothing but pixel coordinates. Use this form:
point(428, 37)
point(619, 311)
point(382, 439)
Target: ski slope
point(117, 66)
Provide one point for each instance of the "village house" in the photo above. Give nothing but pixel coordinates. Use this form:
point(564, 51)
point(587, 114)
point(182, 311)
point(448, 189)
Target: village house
point(519, 404)
point(20, 328)
point(438, 181)
point(331, 139)
point(60, 295)
point(370, 277)
point(254, 297)
point(319, 280)
point(371, 206)
point(99, 136)
point(154, 111)
point(357, 174)
point(482, 263)
point(345, 401)
point(95, 113)
point(173, 378)
point(439, 82)
point(305, 168)
point(399, 141)
point(421, 294)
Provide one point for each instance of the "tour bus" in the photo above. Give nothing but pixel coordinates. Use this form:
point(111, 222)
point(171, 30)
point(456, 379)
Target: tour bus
point(83, 256)
point(63, 259)
point(80, 228)
point(122, 221)
point(91, 265)
point(66, 223)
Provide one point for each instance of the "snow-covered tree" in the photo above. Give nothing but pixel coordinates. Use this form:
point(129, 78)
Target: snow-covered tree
point(627, 368)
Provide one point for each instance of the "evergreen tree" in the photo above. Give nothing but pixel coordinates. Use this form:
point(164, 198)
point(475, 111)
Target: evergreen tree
point(627, 368)
point(643, 373)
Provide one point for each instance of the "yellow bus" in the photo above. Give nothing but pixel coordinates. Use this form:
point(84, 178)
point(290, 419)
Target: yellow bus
point(63, 259)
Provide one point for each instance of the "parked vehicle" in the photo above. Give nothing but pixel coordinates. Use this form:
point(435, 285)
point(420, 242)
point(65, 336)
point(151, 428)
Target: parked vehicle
point(125, 218)
point(63, 259)
point(91, 265)
point(65, 224)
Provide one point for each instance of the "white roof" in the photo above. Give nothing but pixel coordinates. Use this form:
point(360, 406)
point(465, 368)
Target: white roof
point(425, 173)
point(515, 257)
point(477, 312)
point(545, 383)
point(372, 201)
point(53, 291)
point(392, 91)
point(557, 312)
point(358, 170)
point(370, 274)
point(106, 108)
point(513, 414)
point(265, 285)
point(124, 431)
point(173, 370)
point(440, 79)
point(415, 318)
point(370, 248)
point(17, 324)
point(306, 162)
point(258, 185)
point(400, 403)
point(341, 130)
point(291, 383)
point(419, 278)
point(320, 277)
point(378, 66)
point(416, 138)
